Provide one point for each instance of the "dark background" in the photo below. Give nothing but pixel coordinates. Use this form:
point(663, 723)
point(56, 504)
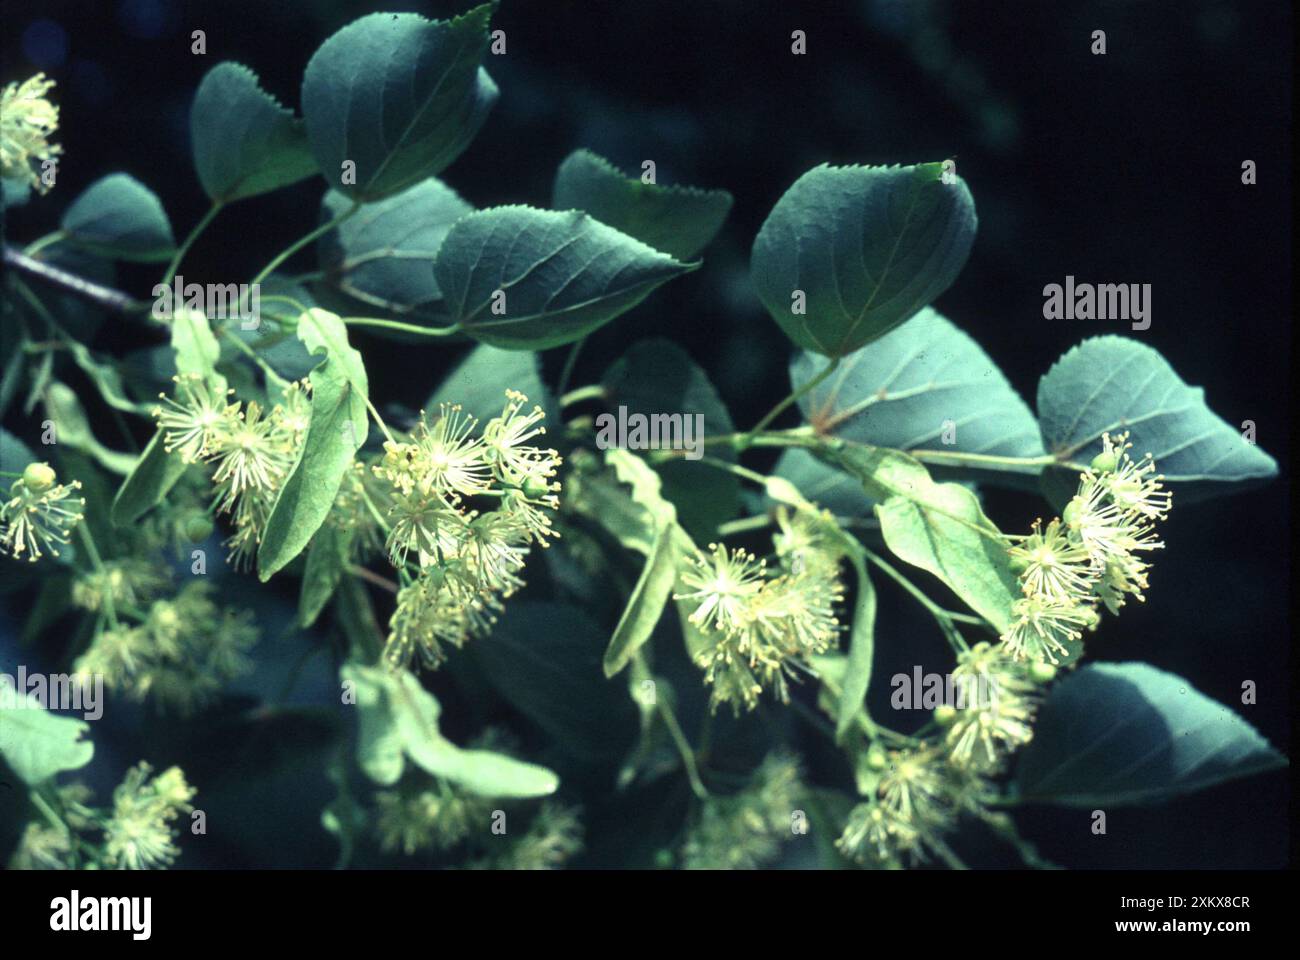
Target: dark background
point(1117, 168)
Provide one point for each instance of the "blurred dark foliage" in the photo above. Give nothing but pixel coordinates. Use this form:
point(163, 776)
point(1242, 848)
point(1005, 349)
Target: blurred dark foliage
point(1117, 168)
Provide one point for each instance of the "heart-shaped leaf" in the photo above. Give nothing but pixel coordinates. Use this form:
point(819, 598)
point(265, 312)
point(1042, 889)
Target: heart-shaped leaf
point(397, 95)
point(823, 484)
point(527, 279)
point(35, 743)
point(680, 221)
point(1114, 384)
point(384, 255)
point(925, 384)
point(120, 217)
point(244, 142)
point(658, 379)
point(1125, 733)
point(545, 660)
point(849, 253)
point(480, 381)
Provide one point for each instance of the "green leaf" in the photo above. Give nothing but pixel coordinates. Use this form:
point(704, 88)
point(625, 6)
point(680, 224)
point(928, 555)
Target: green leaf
point(338, 429)
point(14, 191)
point(399, 721)
point(355, 614)
point(598, 495)
point(868, 246)
point(862, 644)
point(13, 340)
point(244, 142)
point(938, 527)
point(384, 255)
point(343, 816)
point(830, 669)
point(398, 95)
point(655, 378)
point(327, 561)
point(63, 407)
point(827, 486)
point(636, 514)
point(646, 605)
point(645, 485)
point(680, 221)
point(1128, 733)
point(905, 388)
point(527, 279)
point(322, 331)
point(121, 218)
point(545, 660)
point(148, 483)
point(80, 319)
point(480, 381)
point(108, 380)
point(1112, 384)
point(14, 454)
point(35, 743)
point(274, 338)
point(196, 347)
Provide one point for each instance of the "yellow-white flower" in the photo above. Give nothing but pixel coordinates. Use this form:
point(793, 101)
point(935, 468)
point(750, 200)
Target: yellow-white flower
point(195, 418)
point(724, 584)
point(39, 517)
point(1042, 628)
point(449, 460)
point(1053, 565)
point(27, 121)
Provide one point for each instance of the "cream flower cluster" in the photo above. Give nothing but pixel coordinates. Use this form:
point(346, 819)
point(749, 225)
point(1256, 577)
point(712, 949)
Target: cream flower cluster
point(1092, 555)
point(457, 562)
point(179, 651)
point(139, 834)
point(760, 621)
point(27, 121)
point(40, 514)
point(251, 450)
point(744, 831)
point(914, 804)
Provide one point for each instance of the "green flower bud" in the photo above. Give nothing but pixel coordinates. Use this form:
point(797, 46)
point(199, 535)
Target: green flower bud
point(535, 489)
point(944, 714)
point(1071, 513)
point(197, 527)
point(1042, 672)
point(39, 477)
point(1105, 462)
point(877, 759)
